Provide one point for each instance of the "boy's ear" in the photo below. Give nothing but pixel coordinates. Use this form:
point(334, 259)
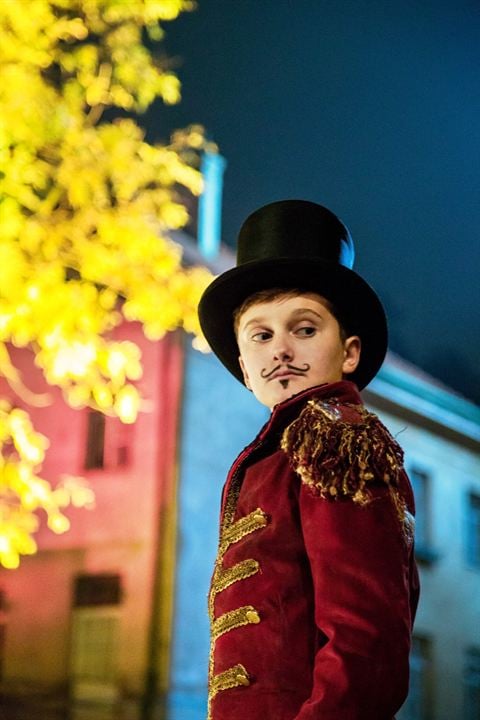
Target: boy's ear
point(245, 376)
point(351, 354)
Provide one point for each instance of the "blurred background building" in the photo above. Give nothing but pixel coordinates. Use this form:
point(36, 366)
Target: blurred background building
point(109, 619)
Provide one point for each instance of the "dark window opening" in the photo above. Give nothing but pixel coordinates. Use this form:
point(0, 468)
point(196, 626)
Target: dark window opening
point(95, 455)
point(420, 483)
point(3, 634)
point(473, 530)
point(123, 456)
point(3, 630)
point(97, 590)
point(472, 684)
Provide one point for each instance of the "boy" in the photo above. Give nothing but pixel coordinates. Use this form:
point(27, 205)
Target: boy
point(315, 587)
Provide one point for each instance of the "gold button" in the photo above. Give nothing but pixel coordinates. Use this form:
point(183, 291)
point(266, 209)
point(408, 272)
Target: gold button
point(242, 679)
point(260, 519)
point(253, 616)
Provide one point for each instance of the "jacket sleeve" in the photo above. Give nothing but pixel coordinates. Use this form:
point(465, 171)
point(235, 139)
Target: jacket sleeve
point(360, 564)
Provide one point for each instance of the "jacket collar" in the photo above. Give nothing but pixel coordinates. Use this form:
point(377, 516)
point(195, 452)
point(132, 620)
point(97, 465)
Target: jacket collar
point(344, 391)
point(283, 414)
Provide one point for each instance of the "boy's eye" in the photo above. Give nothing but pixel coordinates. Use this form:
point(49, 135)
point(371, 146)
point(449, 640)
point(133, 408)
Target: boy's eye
point(305, 331)
point(262, 336)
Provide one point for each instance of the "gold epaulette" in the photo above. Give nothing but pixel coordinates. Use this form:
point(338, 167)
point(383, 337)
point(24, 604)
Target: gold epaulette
point(338, 458)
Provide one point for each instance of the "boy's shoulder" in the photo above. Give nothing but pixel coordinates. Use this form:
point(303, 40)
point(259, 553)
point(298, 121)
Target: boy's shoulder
point(340, 449)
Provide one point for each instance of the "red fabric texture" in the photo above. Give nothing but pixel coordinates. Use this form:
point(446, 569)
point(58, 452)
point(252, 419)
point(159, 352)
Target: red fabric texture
point(336, 590)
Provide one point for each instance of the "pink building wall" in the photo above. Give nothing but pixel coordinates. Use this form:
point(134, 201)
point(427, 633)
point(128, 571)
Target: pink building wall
point(119, 536)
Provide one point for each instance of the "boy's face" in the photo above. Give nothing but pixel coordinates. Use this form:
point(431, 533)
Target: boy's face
point(290, 344)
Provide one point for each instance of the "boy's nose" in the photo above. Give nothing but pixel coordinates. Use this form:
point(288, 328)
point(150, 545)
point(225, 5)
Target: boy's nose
point(283, 353)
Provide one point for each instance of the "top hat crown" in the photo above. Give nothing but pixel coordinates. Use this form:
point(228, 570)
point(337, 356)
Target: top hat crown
point(294, 229)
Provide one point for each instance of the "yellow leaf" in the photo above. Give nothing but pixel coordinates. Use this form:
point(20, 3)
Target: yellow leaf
point(127, 404)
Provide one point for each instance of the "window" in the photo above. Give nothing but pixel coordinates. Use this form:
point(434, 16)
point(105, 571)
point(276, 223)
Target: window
point(420, 483)
point(95, 645)
point(3, 629)
point(3, 634)
point(472, 684)
point(418, 704)
point(94, 457)
point(473, 530)
point(109, 442)
point(97, 590)
point(95, 640)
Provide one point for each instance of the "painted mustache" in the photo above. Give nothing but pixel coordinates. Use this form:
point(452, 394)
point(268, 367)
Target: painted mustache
point(292, 368)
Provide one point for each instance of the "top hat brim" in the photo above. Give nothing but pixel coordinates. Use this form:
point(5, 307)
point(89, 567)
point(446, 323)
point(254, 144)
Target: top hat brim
point(359, 308)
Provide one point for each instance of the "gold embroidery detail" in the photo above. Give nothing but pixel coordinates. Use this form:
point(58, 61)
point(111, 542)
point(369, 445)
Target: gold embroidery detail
point(246, 615)
point(225, 577)
point(231, 532)
point(242, 527)
point(339, 458)
point(253, 617)
point(233, 677)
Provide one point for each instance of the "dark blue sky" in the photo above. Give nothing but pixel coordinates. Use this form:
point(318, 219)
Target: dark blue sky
point(373, 109)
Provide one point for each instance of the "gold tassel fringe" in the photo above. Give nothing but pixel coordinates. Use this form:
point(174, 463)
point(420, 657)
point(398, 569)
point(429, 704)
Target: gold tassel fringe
point(337, 458)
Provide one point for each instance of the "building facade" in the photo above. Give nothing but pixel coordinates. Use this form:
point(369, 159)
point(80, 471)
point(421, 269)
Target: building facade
point(112, 614)
point(440, 433)
point(86, 620)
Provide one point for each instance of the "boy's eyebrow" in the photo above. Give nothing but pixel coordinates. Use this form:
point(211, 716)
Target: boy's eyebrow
point(302, 311)
point(299, 311)
point(254, 320)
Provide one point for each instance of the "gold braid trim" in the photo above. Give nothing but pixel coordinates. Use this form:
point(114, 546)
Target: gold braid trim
point(244, 526)
point(246, 615)
point(242, 570)
point(338, 458)
point(231, 678)
point(231, 532)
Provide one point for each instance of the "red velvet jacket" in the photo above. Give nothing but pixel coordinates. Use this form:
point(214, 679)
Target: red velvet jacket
point(315, 588)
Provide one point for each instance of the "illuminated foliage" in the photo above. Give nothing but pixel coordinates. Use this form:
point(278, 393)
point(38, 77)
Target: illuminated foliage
point(86, 204)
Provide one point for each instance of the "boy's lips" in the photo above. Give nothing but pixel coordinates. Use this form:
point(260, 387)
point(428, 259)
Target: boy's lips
point(286, 374)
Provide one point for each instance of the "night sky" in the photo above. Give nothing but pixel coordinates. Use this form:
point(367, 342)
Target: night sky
point(373, 109)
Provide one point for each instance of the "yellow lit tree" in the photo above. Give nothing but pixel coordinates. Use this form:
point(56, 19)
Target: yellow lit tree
point(85, 209)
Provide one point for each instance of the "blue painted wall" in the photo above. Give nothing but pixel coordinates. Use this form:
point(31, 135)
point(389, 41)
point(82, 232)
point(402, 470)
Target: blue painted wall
point(219, 417)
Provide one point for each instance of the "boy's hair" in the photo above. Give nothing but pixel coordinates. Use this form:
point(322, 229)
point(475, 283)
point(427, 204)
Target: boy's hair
point(276, 293)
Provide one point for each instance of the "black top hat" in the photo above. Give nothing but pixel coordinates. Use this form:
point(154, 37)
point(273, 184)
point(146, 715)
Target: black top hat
point(296, 244)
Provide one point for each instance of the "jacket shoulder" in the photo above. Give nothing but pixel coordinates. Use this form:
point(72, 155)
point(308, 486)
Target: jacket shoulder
point(341, 450)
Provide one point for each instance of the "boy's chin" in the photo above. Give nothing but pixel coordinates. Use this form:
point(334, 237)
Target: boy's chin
point(281, 392)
